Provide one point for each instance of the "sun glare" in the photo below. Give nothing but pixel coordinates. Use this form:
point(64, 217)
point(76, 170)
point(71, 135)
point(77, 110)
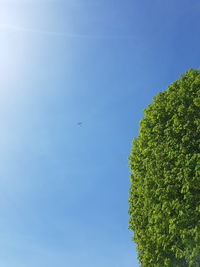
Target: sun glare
point(14, 48)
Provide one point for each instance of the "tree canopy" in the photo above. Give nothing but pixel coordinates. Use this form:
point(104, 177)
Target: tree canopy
point(164, 200)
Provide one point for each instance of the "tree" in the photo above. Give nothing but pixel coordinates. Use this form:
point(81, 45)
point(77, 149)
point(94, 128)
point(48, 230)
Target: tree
point(164, 200)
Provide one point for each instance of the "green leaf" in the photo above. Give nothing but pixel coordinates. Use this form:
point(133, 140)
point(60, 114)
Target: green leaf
point(164, 202)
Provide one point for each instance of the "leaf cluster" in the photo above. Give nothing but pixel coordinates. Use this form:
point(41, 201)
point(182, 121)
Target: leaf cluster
point(164, 200)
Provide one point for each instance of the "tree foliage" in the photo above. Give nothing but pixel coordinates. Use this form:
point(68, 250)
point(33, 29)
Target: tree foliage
point(165, 177)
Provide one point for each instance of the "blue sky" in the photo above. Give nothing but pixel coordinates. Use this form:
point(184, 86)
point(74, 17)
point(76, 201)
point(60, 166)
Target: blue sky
point(64, 187)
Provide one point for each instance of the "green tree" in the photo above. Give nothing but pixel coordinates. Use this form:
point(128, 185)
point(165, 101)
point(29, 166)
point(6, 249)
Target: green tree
point(164, 201)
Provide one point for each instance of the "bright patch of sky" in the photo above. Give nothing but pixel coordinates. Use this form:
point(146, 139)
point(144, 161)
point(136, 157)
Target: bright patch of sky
point(64, 186)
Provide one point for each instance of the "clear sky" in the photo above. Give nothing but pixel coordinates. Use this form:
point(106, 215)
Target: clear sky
point(64, 186)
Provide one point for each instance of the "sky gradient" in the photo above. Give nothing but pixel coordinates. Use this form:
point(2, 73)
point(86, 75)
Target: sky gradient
point(64, 187)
